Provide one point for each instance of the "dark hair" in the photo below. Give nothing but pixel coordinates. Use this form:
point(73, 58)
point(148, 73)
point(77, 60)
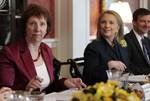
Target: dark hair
point(34, 10)
point(140, 12)
point(119, 21)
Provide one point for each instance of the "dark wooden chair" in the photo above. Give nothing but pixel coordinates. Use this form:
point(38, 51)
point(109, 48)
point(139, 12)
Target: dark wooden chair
point(57, 64)
point(76, 66)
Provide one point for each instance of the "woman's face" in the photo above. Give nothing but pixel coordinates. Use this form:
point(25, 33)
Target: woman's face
point(36, 29)
point(109, 26)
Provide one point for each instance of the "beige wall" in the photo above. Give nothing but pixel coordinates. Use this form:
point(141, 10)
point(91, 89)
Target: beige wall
point(66, 29)
point(148, 4)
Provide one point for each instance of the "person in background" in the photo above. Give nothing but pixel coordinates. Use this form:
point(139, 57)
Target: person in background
point(27, 63)
point(138, 44)
point(108, 51)
point(3, 91)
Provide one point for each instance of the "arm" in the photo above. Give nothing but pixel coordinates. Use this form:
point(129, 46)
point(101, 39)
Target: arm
point(7, 72)
point(95, 66)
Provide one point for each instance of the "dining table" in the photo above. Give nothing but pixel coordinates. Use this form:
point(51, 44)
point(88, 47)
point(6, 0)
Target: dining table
point(141, 81)
point(65, 95)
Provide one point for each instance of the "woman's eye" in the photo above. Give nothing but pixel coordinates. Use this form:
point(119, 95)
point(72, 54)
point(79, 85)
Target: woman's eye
point(111, 22)
point(43, 24)
point(102, 22)
point(32, 23)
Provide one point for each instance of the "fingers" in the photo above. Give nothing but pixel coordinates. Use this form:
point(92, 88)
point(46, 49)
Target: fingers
point(69, 83)
point(5, 89)
point(34, 84)
point(74, 83)
point(122, 66)
point(39, 79)
point(116, 65)
point(81, 84)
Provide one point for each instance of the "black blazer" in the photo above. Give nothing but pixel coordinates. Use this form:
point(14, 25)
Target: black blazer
point(138, 64)
point(96, 55)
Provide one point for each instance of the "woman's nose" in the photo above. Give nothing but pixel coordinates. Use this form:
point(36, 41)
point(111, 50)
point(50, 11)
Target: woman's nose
point(107, 25)
point(37, 27)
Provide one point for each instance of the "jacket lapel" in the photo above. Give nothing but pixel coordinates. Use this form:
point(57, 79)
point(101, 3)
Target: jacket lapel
point(47, 56)
point(135, 41)
point(147, 46)
point(26, 58)
point(123, 54)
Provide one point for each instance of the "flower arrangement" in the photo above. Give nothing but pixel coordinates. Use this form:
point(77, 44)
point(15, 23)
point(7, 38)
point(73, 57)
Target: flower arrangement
point(104, 92)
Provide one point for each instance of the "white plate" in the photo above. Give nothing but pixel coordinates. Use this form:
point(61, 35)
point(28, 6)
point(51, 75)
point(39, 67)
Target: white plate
point(138, 78)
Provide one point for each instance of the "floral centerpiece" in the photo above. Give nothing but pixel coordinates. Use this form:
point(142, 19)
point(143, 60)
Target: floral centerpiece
point(105, 92)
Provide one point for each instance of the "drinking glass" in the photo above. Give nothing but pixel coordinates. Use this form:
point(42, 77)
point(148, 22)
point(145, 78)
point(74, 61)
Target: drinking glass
point(18, 96)
point(37, 96)
point(113, 74)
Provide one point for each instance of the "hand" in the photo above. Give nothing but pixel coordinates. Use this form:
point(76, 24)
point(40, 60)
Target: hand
point(116, 65)
point(3, 92)
point(34, 84)
point(74, 83)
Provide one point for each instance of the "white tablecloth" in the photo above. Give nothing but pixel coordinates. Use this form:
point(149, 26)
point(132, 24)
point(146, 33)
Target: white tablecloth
point(60, 96)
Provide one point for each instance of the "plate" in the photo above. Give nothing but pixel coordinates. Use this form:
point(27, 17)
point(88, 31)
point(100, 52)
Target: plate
point(138, 78)
point(2, 3)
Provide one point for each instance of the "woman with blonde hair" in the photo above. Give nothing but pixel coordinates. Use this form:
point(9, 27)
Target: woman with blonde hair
point(108, 51)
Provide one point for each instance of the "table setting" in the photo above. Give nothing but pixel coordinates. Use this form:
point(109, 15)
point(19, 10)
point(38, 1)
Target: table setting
point(132, 87)
point(122, 86)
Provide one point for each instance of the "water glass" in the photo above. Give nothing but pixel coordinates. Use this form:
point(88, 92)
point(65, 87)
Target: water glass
point(37, 96)
point(18, 96)
point(114, 74)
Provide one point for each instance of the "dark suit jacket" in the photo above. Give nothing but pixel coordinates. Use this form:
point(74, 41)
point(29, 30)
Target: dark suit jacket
point(97, 54)
point(138, 63)
point(17, 68)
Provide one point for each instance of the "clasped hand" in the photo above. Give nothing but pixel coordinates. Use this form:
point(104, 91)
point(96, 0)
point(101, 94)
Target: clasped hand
point(118, 65)
point(74, 83)
point(34, 84)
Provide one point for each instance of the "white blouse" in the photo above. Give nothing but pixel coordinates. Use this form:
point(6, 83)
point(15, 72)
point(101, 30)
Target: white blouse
point(42, 72)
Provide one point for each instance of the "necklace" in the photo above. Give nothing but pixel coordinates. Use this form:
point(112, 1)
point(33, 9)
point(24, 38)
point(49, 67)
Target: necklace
point(36, 59)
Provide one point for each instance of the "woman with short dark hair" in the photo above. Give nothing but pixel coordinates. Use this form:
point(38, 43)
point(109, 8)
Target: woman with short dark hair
point(27, 63)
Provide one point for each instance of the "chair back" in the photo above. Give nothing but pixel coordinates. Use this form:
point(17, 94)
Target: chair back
point(76, 67)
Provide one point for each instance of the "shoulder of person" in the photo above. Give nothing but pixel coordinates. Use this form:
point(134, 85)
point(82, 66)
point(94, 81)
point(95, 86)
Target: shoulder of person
point(13, 47)
point(128, 35)
point(95, 45)
point(45, 47)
